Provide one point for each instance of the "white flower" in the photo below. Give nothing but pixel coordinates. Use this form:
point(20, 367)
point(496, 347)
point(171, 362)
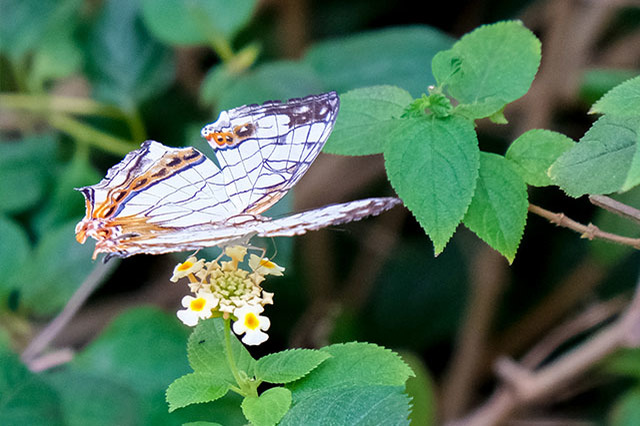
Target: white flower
point(190, 266)
point(251, 324)
point(198, 307)
point(264, 266)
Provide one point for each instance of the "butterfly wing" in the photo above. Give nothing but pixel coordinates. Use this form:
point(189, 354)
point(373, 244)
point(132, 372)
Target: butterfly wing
point(245, 227)
point(154, 190)
point(263, 150)
point(330, 215)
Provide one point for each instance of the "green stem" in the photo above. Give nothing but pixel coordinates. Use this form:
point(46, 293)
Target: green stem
point(56, 104)
point(83, 133)
point(232, 362)
point(136, 126)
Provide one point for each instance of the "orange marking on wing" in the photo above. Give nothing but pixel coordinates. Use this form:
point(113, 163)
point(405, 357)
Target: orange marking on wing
point(222, 138)
point(169, 164)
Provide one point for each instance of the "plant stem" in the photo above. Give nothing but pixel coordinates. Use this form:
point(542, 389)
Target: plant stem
point(232, 363)
point(52, 104)
point(88, 135)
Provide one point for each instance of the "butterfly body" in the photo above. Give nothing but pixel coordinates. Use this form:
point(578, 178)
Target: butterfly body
point(160, 199)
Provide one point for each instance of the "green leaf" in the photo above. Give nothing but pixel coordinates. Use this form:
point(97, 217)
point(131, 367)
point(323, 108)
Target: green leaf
point(25, 171)
point(498, 211)
point(125, 64)
point(196, 21)
point(421, 390)
point(287, 366)
point(25, 398)
point(489, 67)
point(58, 267)
point(433, 166)
point(268, 408)
point(365, 117)
point(356, 364)
point(626, 411)
point(14, 252)
point(23, 25)
point(58, 55)
point(65, 204)
point(207, 353)
point(623, 100)
point(271, 81)
point(142, 349)
point(89, 400)
point(625, 363)
point(195, 388)
point(364, 377)
point(350, 405)
point(405, 62)
point(596, 82)
point(606, 160)
point(534, 152)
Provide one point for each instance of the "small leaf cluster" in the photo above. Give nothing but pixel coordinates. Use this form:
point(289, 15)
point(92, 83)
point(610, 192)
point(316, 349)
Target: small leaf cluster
point(431, 152)
point(319, 385)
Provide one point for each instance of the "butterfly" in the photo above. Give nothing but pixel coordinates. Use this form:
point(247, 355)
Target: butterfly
point(160, 199)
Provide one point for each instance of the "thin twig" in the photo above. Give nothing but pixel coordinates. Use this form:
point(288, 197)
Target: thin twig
point(587, 231)
point(99, 273)
point(523, 386)
point(616, 207)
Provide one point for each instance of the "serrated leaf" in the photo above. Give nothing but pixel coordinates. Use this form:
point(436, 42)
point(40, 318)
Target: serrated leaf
point(422, 391)
point(354, 364)
point(268, 408)
point(498, 211)
point(351, 405)
point(489, 67)
point(196, 21)
point(125, 64)
point(405, 63)
point(623, 100)
point(25, 398)
point(533, 152)
point(289, 365)
point(365, 118)
point(207, 353)
point(596, 82)
point(433, 166)
point(606, 160)
point(195, 388)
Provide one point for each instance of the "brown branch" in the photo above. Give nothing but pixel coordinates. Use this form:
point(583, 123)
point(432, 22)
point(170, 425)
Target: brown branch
point(489, 277)
point(587, 231)
point(616, 207)
point(523, 387)
point(99, 273)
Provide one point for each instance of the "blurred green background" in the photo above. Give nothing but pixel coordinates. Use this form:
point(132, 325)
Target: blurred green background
point(82, 82)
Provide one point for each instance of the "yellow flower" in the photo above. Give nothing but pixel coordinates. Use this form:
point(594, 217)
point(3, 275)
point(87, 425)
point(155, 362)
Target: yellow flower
point(197, 308)
point(190, 266)
point(264, 266)
point(251, 324)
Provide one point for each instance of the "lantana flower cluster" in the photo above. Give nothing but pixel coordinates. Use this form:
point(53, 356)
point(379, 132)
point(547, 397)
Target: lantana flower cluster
point(221, 288)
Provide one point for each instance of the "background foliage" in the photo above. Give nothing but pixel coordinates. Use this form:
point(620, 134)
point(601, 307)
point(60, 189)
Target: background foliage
point(84, 82)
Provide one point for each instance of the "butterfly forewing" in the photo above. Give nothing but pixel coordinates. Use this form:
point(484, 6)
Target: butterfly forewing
point(263, 150)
